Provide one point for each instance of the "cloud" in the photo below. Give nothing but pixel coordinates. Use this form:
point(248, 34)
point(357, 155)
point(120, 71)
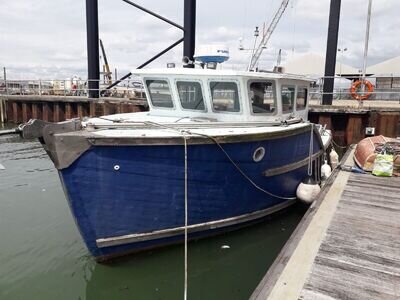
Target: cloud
point(310, 10)
point(46, 38)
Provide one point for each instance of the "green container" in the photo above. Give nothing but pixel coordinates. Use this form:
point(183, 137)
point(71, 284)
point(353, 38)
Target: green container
point(383, 165)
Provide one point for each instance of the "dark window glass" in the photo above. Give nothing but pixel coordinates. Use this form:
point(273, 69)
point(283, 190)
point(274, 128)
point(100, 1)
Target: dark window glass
point(262, 97)
point(301, 99)
point(190, 95)
point(160, 94)
point(225, 96)
point(287, 98)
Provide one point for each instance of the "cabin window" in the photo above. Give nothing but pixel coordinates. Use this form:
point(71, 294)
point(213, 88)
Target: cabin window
point(190, 95)
point(262, 97)
point(160, 94)
point(225, 96)
point(287, 93)
point(301, 99)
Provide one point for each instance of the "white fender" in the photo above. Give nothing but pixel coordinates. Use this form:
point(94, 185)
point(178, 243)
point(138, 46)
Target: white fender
point(326, 170)
point(308, 190)
point(334, 157)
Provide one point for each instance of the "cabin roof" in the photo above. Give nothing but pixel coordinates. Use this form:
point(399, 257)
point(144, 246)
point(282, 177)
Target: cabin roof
point(210, 72)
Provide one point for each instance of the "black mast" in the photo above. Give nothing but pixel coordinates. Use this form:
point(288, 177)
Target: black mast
point(331, 50)
point(189, 25)
point(92, 31)
point(189, 36)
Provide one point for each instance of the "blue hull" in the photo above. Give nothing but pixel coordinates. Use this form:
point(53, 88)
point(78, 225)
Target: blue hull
point(146, 193)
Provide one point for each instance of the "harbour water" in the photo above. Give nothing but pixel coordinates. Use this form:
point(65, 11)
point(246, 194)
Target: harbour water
point(43, 257)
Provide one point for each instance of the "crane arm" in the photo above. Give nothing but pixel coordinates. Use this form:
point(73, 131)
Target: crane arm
point(106, 62)
point(267, 35)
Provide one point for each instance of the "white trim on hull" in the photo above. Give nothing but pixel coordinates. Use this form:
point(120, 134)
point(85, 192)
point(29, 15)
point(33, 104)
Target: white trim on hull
point(165, 233)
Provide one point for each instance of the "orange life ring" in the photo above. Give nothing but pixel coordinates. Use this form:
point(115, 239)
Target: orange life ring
point(356, 85)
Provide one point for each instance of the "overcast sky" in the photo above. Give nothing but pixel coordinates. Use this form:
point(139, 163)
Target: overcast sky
point(47, 38)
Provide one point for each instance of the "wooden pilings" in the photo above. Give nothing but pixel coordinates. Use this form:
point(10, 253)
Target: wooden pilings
point(354, 129)
point(348, 127)
point(56, 109)
point(388, 124)
point(3, 111)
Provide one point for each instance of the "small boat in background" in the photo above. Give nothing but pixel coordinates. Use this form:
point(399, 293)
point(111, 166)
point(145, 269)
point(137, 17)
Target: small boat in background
point(367, 149)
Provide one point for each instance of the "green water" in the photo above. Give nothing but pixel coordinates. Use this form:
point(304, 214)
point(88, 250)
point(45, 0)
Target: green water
point(43, 257)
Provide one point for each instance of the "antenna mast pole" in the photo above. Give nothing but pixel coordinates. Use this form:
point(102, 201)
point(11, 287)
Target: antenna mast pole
point(364, 70)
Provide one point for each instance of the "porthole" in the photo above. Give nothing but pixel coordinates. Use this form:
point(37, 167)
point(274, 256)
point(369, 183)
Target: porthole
point(259, 154)
point(116, 167)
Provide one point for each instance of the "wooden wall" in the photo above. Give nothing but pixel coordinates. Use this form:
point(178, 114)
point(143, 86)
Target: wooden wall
point(349, 127)
point(22, 110)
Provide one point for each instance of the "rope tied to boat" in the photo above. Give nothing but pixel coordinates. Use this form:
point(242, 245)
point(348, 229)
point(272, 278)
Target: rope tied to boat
point(242, 172)
point(186, 217)
point(333, 143)
point(310, 151)
point(185, 135)
point(188, 132)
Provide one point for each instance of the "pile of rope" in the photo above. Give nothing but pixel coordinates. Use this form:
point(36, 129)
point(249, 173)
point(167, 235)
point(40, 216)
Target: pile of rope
point(392, 148)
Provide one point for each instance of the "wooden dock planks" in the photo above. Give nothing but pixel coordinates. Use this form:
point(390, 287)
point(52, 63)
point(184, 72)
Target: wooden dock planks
point(358, 254)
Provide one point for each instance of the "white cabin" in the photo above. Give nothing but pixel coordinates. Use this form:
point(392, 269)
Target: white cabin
point(224, 95)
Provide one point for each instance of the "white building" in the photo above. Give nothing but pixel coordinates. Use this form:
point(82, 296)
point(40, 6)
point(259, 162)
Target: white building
point(313, 65)
point(387, 73)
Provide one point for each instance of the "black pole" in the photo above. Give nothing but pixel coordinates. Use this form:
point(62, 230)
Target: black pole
point(154, 14)
point(331, 50)
point(92, 31)
point(159, 54)
point(144, 64)
point(116, 82)
point(189, 25)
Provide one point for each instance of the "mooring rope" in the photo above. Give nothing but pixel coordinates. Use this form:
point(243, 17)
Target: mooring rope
point(318, 164)
point(310, 152)
point(242, 172)
point(227, 156)
point(333, 143)
point(185, 134)
point(186, 219)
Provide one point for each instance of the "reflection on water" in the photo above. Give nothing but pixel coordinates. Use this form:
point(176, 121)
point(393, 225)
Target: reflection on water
point(43, 257)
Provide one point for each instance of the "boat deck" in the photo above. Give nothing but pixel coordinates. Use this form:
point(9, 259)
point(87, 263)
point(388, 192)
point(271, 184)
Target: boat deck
point(347, 245)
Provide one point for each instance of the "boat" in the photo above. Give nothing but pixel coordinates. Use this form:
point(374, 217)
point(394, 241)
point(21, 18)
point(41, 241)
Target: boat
point(229, 146)
point(368, 148)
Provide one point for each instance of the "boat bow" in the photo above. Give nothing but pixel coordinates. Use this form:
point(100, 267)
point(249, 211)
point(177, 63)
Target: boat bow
point(62, 150)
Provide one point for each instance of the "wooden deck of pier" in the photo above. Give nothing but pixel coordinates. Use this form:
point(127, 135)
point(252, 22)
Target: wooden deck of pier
point(346, 247)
